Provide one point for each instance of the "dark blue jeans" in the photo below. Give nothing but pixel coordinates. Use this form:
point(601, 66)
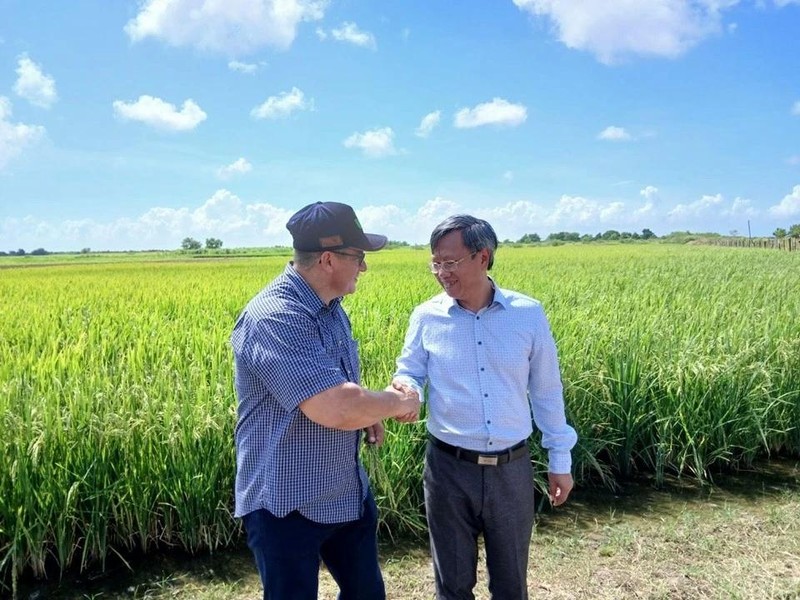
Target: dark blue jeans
point(288, 552)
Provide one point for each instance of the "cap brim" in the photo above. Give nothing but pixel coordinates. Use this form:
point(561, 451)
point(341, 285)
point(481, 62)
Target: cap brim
point(375, 241)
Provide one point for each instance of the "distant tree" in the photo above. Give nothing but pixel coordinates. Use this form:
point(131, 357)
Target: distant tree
point(530, 238)
point(647, 234)
point(587, 237)
point(734, 233)
point(611, 234)
point(191, 244)
point(19, 252)
point(565, 236)
point(213, 244)
point(39, 252)
point(85, 250)
point(794, 231)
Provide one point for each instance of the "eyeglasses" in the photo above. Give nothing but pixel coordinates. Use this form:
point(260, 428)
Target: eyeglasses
point(360, 257)
point(448, 266)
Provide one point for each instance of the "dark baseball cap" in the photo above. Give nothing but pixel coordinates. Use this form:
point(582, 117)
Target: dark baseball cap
point(330, 226)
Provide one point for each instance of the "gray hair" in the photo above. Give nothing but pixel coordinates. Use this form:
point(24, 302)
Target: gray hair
point(304, 260)
point(476, 234)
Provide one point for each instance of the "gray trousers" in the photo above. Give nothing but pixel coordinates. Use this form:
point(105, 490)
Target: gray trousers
point(464, 500)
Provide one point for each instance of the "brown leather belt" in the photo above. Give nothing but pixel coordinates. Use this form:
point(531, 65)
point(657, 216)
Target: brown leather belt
point(486, 459)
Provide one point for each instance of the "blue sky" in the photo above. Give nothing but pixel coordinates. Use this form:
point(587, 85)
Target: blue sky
point(131, 125)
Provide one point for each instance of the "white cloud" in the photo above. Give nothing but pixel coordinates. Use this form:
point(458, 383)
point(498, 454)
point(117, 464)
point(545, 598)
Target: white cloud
point(428, 123)
point(614, 29)
point(614, 134)
point(243, 67)
point(224, 215)
point(374, 144)
point(234, 28)
point(699, 208)
point(741, 207)
point(159, 114)
point(796, 108)
point(239, 224)
point(237, 167)
point(33, 85)
point(782, 3)
point(508, 176)
point(15, 138)
point(350, 33)
point(496, 112)
point(277, 107)
point(789, 206)
point(793, 160)
point(649, 192)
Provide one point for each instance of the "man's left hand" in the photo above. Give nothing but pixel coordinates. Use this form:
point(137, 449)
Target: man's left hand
point(560, 486)
point(374, 434)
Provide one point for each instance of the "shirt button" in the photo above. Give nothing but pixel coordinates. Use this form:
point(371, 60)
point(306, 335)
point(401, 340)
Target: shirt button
point(479, 343)
point(482, 369)
point(486, 395)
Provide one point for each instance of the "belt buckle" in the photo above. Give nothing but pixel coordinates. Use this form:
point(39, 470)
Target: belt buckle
point(487, 461)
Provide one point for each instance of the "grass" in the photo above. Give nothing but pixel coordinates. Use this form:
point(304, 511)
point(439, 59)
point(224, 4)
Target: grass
point(737, 540)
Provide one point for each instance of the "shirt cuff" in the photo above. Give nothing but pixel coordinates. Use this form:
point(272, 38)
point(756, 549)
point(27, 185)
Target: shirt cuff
point(560, 462)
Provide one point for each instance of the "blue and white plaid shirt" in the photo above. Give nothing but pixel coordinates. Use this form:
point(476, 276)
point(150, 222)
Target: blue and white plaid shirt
point(486, 373)
point(289, 346)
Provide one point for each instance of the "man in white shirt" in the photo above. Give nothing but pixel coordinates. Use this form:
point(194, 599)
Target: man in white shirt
point(489, 360)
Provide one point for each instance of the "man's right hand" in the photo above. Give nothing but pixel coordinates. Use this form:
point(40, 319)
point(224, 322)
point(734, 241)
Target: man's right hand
point(410, 400)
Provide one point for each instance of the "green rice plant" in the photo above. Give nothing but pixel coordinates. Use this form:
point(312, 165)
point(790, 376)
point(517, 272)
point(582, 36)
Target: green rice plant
point(117, 402)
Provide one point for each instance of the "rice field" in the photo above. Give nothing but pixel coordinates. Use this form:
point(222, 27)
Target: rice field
point(117, 406)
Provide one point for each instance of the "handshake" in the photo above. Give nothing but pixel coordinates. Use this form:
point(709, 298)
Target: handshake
point(408, 399)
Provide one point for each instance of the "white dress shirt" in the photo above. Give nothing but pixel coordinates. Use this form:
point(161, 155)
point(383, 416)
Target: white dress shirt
point(487, 373)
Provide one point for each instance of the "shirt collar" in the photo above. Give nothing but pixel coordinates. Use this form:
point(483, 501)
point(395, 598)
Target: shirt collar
point(499, 298)
point(307, 293)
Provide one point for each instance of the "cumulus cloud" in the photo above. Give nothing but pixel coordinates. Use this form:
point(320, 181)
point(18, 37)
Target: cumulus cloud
point(614, 29)
point(33, 85)
point(237, 167)
point(376, 143)
point(350, 33)
point(15, 138)
point(224, 215)
point(239, 224)
point(614, 134)
point(428, 123)
point(698, 208)
point(243, 67)
point(741, 207)
point(232, 28)
point(496, 112)
point(160, 114)
point(789, 206)
point(278, 107)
